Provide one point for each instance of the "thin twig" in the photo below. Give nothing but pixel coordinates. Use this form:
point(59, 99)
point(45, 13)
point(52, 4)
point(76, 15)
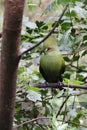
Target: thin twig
point(62, 106)
point(55, 25)
point(29, 121)
point(65, 111)
point(78, 68)
point(70, 122)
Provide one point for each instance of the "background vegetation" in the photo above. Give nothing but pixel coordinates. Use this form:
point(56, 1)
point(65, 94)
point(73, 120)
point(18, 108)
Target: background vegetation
point(38, 109)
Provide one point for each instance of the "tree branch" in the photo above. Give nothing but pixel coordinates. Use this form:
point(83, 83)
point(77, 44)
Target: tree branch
point(55, 25)
point(38, 118)
point(30, 121)
point(57, 85)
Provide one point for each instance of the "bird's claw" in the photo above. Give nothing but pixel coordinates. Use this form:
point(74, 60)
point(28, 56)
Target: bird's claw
point(60, 85)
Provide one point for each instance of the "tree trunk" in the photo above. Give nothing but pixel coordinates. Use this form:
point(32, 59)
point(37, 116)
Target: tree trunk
point(9, 60)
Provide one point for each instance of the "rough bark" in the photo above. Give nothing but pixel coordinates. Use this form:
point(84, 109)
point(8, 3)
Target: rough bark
point(9, 60)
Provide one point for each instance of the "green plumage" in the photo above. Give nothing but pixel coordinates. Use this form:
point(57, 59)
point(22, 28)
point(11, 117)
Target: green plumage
point(50, 42)
point(52, 64)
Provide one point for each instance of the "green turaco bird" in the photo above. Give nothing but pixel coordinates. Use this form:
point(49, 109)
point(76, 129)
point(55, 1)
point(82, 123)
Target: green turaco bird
point(52, 64)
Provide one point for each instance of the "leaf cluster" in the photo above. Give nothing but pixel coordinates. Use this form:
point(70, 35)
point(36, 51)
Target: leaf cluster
point(67, 108)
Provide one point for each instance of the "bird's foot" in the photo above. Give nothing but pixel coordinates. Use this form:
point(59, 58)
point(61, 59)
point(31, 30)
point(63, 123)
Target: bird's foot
point(60, 85)
point(46, 83)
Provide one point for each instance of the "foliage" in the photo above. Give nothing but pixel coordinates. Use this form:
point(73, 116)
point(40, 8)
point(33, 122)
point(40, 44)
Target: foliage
point(64, 109)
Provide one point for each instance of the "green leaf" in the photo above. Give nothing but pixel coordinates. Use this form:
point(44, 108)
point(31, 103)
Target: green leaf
point(20, 71)
point(82, 12)
point(75, 58)
point(84, 53)
point(79, 37)
point(66, 80)
point(37, 128)
point(30, 25)
point(39, 24)
point(33, 88)
point(72, 113)
point(67, 59)
point(83, 98)
point(72, 14)
point(75, 122)
point(53, 5)
point(77, 82)
point(62, 127)
point(66, 41)
point(50, 8)
point(33, 96)
point(31, 5)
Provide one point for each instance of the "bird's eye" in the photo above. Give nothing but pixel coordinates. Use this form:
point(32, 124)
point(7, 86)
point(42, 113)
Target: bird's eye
point(49, 48)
